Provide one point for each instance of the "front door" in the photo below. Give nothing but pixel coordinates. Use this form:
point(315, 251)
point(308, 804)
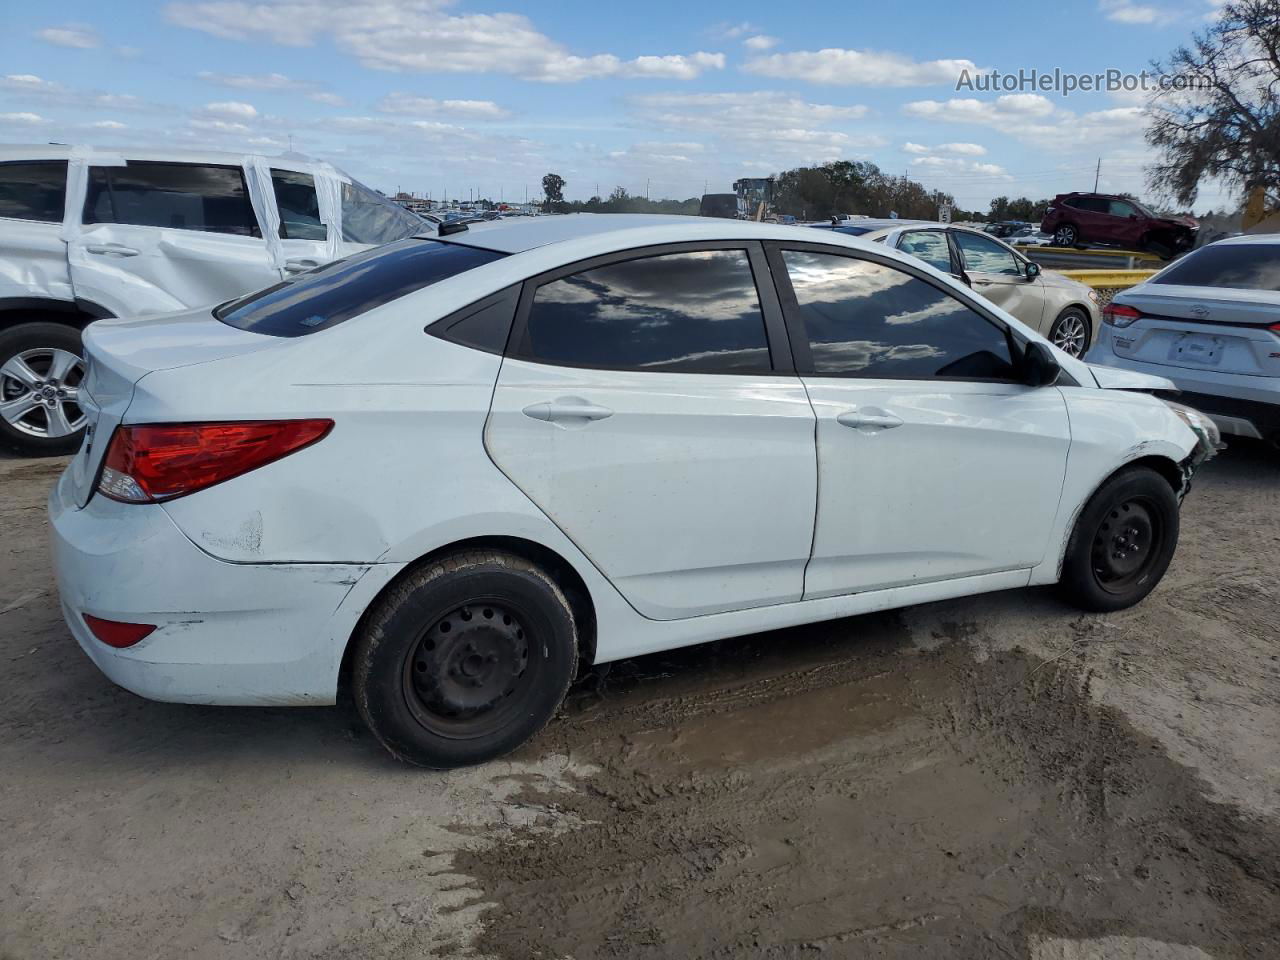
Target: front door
point(160, 237)
point(998, 274)
point(934, 462)
point(642, 409)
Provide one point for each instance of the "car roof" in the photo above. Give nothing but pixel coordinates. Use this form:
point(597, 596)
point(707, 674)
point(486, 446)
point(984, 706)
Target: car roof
point(66, 151)
point(517, 236)
point(1247, 238)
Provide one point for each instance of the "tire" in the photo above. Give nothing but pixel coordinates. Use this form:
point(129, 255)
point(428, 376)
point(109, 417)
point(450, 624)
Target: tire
point(1071, 332)
point(1159, 247)
point(28, 394)
point(465, 659)
point(1066, 235)
point(1122, 542)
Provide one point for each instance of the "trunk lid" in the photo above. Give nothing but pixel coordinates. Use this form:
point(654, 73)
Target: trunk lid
point(1204, 328)
point(119, 353)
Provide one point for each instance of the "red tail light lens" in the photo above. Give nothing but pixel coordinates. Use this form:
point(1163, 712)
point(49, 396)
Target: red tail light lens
point(1118, 315)
point(146, 464)
point(115, 633)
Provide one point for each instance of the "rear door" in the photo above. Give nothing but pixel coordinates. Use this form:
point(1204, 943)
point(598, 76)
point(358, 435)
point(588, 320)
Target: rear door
point(1000, 275)
point(934, 462)
point(304, 236)
point(159, 237)
point(33, 258)
point(647, 405)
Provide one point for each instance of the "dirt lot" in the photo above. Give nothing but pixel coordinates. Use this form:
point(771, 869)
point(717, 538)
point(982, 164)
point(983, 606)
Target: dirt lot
point(996, 777)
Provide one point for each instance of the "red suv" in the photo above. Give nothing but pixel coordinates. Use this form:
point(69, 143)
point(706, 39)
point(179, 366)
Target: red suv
point(1075, 218)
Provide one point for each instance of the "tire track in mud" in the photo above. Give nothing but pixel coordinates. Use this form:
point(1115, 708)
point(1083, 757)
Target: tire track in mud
point(982, 806)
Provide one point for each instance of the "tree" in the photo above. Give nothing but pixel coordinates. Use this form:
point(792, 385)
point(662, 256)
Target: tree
point(1229, 128)
point(553, 191)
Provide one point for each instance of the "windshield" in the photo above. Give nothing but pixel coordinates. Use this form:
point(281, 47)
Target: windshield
point(338, 291)
point(369, 217)
point(1237, 266)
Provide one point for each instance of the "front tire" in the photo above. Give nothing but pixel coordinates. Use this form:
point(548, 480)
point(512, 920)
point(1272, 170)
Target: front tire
point(1122, 542)
point(1070, 333)
point(41, 366)
point(465, 659)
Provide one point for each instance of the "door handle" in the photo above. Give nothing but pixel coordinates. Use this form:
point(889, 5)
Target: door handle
point(300, 265)
point(566, 408)
point(112, 249)
point(881, 420)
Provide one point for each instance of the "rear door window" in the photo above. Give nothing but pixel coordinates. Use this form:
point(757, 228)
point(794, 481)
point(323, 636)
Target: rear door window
point(1239, 266)
point(343, 289)
point(34, 190)
point(180, 196)
point(694, 312)
point(369, 217)
point(298, 205)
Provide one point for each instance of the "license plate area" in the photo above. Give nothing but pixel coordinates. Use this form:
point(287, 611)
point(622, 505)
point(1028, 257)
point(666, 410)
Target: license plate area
point(1197, 348)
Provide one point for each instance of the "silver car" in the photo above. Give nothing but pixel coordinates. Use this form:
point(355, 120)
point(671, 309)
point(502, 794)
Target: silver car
point(1066, 312)
point(1210, 323)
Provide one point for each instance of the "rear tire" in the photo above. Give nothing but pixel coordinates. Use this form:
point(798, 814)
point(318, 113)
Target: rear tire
point(1066, 235)
point(1122, 542)
point(465, 659)
point(32, 356)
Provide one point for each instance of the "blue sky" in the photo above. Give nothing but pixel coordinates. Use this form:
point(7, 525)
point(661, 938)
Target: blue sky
point(488, 95)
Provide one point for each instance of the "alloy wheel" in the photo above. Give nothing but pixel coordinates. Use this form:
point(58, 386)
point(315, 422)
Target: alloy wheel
point(1065, 236)
point(1069, 334)
point(40, 392)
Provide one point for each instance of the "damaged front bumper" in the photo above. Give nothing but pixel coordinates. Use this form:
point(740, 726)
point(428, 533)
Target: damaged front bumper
point(1208, 442)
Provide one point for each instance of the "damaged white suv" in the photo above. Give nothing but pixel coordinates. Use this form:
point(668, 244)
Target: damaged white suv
point(87, 234)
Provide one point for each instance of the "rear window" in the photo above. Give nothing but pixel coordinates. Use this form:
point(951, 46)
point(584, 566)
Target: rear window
point(33, 191)
point(338, 291)
point(1239, 266)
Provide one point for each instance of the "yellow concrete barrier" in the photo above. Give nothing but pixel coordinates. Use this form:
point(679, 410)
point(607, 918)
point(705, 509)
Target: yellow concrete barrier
point(1115, 279)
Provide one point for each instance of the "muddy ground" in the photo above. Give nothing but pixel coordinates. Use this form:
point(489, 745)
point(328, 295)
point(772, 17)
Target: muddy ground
point(994, 777)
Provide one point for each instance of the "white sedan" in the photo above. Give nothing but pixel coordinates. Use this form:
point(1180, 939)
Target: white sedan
point(447, 472)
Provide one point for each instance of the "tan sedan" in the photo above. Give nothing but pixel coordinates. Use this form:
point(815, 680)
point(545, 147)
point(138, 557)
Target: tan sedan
point(1063, 310)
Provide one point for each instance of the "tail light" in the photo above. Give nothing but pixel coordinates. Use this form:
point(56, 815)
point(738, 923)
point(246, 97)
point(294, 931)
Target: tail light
point(115, 633)
point(1274, 328)
point(1118, 315)
point(150, 463)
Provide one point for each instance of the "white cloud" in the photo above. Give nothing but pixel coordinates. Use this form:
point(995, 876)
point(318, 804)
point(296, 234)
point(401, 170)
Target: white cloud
point(869, 68)
point(251, 81)
point(77, 35)
point(1125, 11)
point(952, 165)
point(418, 37)
point(38, 90)
point(910, 147)
point(108, 125)
point(962, 149)
point(328, 99)
point(1033, 119)
point(232, 108)
point(732, 31)
point(429, 106)
point(760, 42)
point(23, 119)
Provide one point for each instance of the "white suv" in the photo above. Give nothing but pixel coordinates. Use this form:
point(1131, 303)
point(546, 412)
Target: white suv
point(1210, 323)
point(87, 234)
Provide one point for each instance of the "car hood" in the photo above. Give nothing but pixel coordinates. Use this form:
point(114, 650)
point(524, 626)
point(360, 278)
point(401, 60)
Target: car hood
point(1187, 222)
point(1051, 279)
point(1113, 378)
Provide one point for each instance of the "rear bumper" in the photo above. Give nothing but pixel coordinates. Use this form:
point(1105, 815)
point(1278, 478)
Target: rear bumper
point(1240, 405)
point(228, 633)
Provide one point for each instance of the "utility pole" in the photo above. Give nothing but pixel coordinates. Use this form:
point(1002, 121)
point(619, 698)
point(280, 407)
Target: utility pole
point(646, 188)
point(1096, 172)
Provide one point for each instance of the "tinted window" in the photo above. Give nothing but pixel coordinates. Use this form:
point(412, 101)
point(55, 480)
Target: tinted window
point(298, 205)
point(1118, 208)
point(182, 196)
point(369, 217)
point(33, 191)
point(984, 255)
point(928, 245)
point(1238, 265)
point(867, 320)
point(689, 312)
point(343, 289)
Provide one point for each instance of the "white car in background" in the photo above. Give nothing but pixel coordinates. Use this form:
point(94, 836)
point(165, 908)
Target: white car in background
point(445, 472)
point(1210, 323)
point(87, 234)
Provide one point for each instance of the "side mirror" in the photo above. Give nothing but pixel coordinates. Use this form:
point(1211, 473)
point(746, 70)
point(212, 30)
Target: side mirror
point(1033, 269)
point(1039, 368)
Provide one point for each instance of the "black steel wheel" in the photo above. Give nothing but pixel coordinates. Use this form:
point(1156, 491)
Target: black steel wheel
point(464, 659)
point(1122, 542)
